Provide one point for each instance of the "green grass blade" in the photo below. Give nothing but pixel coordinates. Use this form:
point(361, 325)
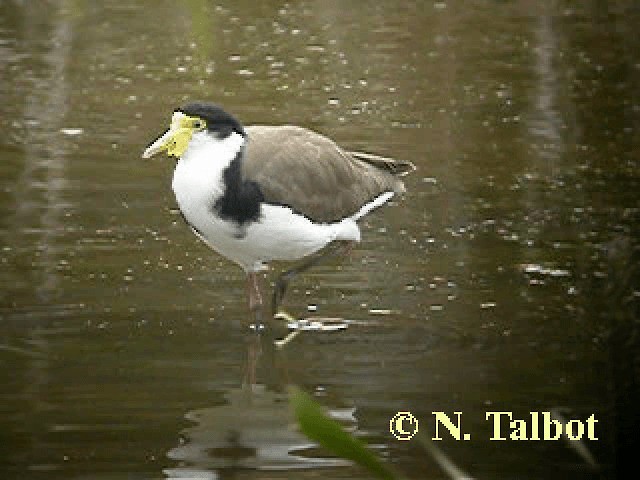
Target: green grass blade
point(328, 433)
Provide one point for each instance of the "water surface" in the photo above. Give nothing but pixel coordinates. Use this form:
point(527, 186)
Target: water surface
point(492, 285)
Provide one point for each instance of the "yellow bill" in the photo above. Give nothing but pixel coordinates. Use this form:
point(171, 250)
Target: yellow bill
point(177, 138)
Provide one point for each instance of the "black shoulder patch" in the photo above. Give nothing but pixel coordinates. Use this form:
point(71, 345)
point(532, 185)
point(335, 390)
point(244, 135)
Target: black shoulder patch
point(241, 199)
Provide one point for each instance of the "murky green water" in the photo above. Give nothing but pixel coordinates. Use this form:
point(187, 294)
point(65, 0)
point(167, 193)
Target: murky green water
point(493, 285)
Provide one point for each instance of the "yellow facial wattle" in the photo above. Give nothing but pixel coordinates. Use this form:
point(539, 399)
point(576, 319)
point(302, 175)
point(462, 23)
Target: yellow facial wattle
point(179, 142)
point(176, 140)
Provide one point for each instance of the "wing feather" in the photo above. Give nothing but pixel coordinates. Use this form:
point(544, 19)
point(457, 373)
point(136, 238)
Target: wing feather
point(312, 175)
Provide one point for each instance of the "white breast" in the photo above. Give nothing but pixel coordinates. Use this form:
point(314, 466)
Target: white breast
point(197, 183)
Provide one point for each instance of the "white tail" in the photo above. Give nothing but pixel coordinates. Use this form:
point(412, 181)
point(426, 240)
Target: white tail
point(375, 203)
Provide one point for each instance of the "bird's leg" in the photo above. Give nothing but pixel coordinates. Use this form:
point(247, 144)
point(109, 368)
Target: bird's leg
point(255, 297)
point(253, 353)
point(282, 282)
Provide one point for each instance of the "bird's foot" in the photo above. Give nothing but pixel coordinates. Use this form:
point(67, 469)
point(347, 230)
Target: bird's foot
point(257, 327)
point(284, 316)
point(316, 324)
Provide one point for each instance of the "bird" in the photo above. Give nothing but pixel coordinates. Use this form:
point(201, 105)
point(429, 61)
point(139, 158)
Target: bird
point(264, 193)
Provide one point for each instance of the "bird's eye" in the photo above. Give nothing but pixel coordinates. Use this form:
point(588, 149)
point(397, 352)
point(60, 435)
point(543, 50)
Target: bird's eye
point(198, 124)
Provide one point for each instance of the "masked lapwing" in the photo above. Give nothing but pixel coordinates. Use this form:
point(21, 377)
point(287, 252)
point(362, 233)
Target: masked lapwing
point(266, 193)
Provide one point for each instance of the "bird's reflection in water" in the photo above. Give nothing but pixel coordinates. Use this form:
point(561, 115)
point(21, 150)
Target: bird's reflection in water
point(255, 429)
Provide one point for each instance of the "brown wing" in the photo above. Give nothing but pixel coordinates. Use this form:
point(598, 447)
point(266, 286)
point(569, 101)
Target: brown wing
point(311, 174)
point(399, 168)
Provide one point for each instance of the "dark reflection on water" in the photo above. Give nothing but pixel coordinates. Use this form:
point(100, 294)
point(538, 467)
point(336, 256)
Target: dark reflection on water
point(493, 285)
point(253, 429)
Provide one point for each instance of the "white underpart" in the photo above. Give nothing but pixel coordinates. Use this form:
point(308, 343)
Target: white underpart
point(279, 234)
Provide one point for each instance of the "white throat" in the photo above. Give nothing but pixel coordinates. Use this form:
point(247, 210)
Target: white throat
point(218, 150)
